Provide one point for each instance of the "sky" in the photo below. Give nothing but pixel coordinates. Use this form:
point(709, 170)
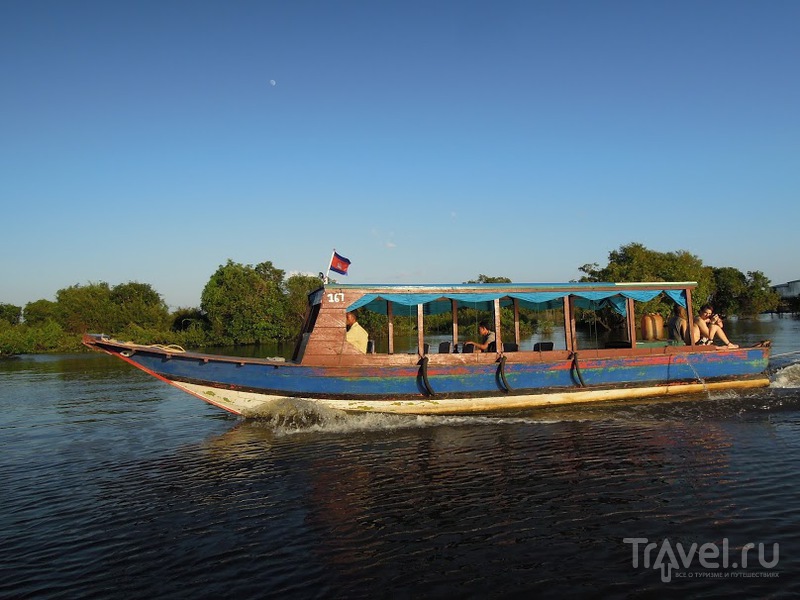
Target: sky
point(427, 141)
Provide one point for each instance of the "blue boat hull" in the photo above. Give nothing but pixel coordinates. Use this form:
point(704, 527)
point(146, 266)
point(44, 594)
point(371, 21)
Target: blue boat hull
point(384, 386)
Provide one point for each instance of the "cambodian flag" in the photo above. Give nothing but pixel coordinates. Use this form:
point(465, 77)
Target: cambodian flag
point(339, 263)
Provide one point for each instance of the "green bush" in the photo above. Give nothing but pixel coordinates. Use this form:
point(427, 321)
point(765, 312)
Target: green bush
point(46, 337)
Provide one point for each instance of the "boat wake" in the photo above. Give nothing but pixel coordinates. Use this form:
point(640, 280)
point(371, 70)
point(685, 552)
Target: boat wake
point(292, 415)
point(787, 377)
point(295, 414)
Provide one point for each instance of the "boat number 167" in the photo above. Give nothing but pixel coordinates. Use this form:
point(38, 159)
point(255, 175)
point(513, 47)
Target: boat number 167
point(337, 297)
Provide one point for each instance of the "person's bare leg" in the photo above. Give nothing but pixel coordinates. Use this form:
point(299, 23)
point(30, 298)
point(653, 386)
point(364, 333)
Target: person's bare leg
point(715, 331)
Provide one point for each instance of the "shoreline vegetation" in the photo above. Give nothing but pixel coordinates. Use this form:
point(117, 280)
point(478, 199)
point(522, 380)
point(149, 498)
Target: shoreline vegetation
point(247, 305)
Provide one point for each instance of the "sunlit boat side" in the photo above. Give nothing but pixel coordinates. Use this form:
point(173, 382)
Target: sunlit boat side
point(327, 370)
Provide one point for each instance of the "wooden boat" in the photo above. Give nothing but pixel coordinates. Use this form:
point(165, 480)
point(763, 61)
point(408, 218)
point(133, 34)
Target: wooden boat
point(327, 370)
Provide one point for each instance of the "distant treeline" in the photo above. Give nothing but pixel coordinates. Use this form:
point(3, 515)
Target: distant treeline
point(246, 304)
point(240, 305)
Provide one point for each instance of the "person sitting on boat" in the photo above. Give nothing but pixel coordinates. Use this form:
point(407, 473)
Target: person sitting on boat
point(356, 334)
point(708, 326)
point(487, 337)
point(677, 325)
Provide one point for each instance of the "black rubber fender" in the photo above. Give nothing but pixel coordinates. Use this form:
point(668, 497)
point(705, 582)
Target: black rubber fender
point(501, 372)
point(423, 371)
point(577, 367)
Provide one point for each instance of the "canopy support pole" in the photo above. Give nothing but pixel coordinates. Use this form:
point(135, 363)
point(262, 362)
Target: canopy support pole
point(420, 332)
point(569, 324)
point(631, 321)
point(454, 308)
point(498, 344)
point(390, 315)
point(689, 318)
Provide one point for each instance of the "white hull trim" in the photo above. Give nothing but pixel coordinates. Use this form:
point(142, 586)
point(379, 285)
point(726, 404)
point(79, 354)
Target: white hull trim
point(252, 403)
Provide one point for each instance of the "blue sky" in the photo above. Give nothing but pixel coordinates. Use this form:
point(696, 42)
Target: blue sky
point(426, 141)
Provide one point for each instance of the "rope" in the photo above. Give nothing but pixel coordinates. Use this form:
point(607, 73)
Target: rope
point(170, 347)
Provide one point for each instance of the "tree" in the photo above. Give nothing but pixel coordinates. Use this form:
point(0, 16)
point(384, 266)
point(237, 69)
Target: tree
point(634, 262)
point(270, 273)
point(297, 288)
point(99, 308)
point(186, 318)
point(488, 279)
point(726, 288)
point(731, 286)
point(760, 296)
point(10, 313)
point(140, 305)
point(245, 304)
point(83, 308)
point(39, 312)
point(746, 296)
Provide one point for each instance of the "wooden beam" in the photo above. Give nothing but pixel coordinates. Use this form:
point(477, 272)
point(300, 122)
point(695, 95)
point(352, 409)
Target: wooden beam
point(454, 308)
point(497, 334)
point(630, 308)
point(689, 317)
point(390, 316)
point(420, 331)
point(569, 324)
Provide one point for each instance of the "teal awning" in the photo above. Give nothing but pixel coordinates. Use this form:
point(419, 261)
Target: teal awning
point(434, 304)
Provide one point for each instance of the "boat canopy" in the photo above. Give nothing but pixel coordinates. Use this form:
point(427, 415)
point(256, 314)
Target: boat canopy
point(541, 299)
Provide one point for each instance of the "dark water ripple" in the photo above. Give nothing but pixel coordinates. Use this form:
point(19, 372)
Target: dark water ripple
point(118, 486)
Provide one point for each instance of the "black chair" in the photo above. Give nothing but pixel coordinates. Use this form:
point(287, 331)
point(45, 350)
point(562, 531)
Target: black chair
point(468, 349)
point(542, 346)
point(510, 347)
point(370, 346)
point(444, 347)
point(618, 344)
point(425, 348)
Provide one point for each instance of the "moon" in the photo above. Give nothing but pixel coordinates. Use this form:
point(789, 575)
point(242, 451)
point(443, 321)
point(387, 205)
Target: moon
point(272, 82)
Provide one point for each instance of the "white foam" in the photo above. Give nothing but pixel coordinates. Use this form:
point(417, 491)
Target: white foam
point(290, 416)
point(787, 377)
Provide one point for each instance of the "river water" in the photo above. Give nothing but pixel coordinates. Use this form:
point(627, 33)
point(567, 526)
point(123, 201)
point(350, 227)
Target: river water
point(115, 485)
